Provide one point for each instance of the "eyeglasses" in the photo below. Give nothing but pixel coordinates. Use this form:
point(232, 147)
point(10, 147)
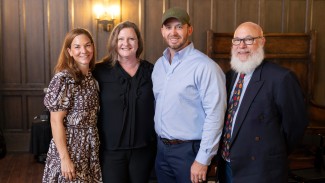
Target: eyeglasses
point(247, 41)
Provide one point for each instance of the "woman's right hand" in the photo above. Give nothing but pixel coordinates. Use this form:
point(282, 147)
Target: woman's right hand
point(68, 169)
point(60, 140)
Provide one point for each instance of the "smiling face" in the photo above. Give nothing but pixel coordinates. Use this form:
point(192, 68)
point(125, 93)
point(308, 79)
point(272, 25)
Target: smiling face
point(247, 30)
point(82, 50)
point(246, 58)
point(127, 43)
point(175, 34)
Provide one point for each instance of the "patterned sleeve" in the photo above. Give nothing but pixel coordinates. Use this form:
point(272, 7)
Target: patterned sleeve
point(58, 96)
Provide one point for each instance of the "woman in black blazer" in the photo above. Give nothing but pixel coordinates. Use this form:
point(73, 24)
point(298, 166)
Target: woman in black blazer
point(126, 125)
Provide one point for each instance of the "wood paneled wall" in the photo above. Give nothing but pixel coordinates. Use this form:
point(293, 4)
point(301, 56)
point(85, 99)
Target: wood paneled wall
point(32, 32)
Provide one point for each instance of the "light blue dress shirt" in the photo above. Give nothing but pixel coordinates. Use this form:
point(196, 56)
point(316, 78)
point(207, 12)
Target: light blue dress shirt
point(190, 96)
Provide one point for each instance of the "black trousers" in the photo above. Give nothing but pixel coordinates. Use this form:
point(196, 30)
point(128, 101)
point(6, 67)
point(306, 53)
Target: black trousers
point(127, 166)
point(224, 173)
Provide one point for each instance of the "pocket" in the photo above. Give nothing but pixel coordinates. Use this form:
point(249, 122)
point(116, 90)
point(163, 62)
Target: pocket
point(195, 146)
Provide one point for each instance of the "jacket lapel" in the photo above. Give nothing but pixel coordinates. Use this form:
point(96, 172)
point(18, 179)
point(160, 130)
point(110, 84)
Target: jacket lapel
point(251, 91)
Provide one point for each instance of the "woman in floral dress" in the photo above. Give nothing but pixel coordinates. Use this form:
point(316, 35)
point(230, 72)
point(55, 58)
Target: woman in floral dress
point(72, 99)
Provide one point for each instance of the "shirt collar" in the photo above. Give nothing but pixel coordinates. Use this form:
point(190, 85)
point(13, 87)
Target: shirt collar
point(180, 54)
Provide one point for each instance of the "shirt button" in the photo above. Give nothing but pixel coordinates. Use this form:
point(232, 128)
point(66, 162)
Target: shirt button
point(257, 138)
point(261, 117)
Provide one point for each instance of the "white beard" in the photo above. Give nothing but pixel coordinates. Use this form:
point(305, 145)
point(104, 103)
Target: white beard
point(250, 64)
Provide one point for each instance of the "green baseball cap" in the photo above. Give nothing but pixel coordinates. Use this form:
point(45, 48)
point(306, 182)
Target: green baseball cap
point(178, 13)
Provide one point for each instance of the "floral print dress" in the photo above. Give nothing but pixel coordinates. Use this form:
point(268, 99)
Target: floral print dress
point(81, 101)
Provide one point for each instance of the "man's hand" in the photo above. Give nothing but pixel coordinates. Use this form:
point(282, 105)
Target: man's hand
point(198, 172)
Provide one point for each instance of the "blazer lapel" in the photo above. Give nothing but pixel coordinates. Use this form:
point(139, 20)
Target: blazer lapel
point(251, 91)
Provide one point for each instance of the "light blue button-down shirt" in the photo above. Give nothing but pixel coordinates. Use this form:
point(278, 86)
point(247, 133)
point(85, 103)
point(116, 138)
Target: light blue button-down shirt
point(190, 98)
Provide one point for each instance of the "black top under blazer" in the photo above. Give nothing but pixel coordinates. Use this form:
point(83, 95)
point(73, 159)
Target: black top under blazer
point(270, 122)
point(126, 117)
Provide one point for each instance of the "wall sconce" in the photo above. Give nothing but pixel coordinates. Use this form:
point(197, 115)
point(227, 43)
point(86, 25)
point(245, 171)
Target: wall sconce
point(106, 15)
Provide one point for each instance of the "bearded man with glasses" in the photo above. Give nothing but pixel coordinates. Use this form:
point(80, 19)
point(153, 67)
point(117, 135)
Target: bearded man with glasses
point(266, 115)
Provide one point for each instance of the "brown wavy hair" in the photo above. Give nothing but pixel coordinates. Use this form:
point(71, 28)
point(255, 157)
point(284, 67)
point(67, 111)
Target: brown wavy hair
point(112, 42)
point(66, 62)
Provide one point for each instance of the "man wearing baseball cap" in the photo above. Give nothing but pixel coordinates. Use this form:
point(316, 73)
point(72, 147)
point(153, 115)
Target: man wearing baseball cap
point(190, 96)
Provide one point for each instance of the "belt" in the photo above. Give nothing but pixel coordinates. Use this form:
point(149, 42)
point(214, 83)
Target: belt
point(173, 141)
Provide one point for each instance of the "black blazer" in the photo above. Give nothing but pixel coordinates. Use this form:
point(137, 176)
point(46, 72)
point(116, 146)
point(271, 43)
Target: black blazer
point(126, 117)
point(270, 122)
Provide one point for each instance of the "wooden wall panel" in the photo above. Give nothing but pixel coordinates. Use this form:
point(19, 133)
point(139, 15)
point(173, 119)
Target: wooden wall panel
point(200, 24)
point(297, 15)
point(58, 26)
point(224, 16)
point(11, 46)
point(19, 110)
point(100, 38)
point(81, 14)
point(129, 12)
point(33, 64)
point(247, 10)
point(18, 142)
point(154, 44)
point(172, 3)
point(13, 112)
point(270, 21)
point(318, 24)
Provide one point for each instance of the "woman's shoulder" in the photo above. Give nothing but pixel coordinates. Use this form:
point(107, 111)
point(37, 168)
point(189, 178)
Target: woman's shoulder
point(146, 69)
point(102, 65)
point(146, 64)
point(102, 68)
point(63, 76)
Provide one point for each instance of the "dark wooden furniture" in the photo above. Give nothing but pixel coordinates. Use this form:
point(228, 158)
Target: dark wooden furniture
point(295, 51)
point(312, 147)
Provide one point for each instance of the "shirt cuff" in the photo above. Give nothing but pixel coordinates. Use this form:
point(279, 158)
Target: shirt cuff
point(203, 157)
